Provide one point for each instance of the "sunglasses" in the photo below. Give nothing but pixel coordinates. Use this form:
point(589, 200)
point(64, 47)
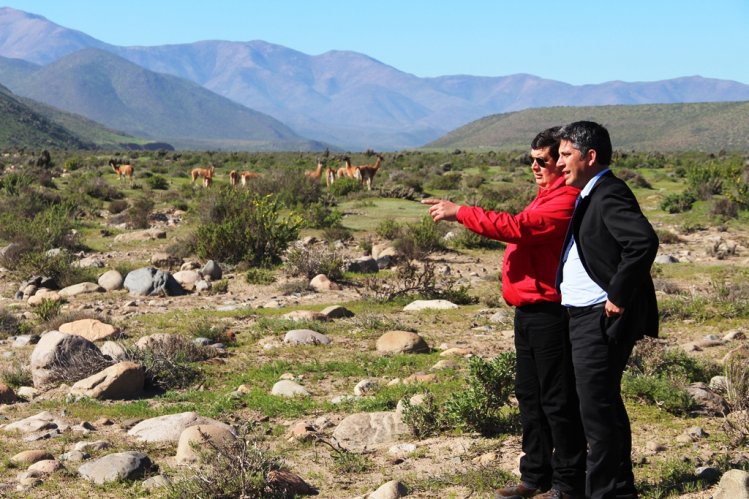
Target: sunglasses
point(541, 162)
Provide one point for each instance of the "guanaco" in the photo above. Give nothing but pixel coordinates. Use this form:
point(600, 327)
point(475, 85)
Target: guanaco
point(233, 178)
point(315, 174)
point(348, 170)
point(122, 170)
point(202, 172)
point(367, 172)
point(246, 176)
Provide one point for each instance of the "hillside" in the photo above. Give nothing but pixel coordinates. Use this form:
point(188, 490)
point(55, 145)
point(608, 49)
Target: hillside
point(23, 127)
point(663, 127)
point(124, 96)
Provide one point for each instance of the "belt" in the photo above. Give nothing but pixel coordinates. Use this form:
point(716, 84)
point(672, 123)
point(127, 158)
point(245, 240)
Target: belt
point(576, 311)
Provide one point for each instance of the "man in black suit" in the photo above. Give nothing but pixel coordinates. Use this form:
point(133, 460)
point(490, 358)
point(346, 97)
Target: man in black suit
point(604, 278)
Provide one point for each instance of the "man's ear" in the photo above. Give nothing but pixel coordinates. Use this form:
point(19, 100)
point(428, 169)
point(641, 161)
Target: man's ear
point(591, 157)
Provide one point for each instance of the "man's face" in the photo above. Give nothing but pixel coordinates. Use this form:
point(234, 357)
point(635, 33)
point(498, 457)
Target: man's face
point(577, 169)
point(545, 170)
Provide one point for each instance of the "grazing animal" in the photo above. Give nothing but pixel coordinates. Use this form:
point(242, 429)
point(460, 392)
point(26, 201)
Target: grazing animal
point(246, 176)
point(367, 172)
point(329, 176)
point(233, 178)
point(315, 174)
point(202, 173)
point(348, 170)
point(122, 170)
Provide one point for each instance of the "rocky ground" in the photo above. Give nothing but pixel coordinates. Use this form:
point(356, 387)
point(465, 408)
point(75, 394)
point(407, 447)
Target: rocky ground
point(57, 443)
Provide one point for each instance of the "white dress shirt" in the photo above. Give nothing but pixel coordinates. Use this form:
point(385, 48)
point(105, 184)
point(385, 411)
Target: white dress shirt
point(578, 289)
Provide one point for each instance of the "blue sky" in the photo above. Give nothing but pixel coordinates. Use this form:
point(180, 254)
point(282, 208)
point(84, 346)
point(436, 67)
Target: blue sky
point(574, 41)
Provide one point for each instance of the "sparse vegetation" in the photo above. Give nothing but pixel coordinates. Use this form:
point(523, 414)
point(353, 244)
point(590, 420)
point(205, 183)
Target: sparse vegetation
point(704, 295)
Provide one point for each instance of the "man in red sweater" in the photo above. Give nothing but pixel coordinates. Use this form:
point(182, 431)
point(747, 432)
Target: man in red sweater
point(553, 439)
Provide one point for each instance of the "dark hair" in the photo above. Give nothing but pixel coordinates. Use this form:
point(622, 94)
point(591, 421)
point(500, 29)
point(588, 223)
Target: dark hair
point(587, 135)
point(548, 138)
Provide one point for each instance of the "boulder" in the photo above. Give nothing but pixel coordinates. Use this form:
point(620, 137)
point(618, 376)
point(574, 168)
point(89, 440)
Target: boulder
point(111, 280)
point(91, 329)
point(56, 347)
point(364, 430)
point(430, 305)
point(149, 281)
point(116, 467)
point(121, 381)
point(401, 342)
point(79, 289)
point(305, 337)
point(201, 436)
point(169, 428)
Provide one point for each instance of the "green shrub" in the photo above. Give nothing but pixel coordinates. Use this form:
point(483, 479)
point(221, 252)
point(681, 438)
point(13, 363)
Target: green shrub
point(479, 407)
point(259, 276)
point(320, 216)
point(736, 371)
point(118, 206)
point(9, 324)
point(157, 182)
point(678, 203)
point(239, 468)
point(48, 309)
point(422, 419)
point(139, 213)
point(724, 208)
point(337, 233)
point(16, 376)
point(15, 184)
point(420, 239)
point(169, 364)
point(389, 229)
point(668, 237)
point(344, 186)
point(482, 406)
point(242, 226)
point(447, 182)
point(659, 391)
point(309, 262)
point(652, 358)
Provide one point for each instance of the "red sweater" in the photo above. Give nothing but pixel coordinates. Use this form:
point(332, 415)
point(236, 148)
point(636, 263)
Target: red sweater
point(535, 237)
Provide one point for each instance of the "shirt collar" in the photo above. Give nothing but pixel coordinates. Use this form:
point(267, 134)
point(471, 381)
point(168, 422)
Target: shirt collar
point(592, 183)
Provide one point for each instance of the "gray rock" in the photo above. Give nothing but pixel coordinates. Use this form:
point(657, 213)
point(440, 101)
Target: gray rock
point(111, 280)
point(288, 388)
point(56, 347)
point(149, 281)
point(168, 428)
point(401, 342)
point(115, 467)
point(305, 337)
point(118, 382)
point(430, 305)
point(363, 265)
point(337, 312)
point(734, 484)
point(364, 430)
point(212, 269)
point(389, 490)
point(80, 288)
point(666, 259)
point(156, 482)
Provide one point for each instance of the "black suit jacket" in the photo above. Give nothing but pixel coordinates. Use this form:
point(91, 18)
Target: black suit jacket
point(617, 247)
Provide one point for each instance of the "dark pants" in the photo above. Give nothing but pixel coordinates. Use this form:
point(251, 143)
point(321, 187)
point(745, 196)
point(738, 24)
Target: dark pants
point(599, 364)
point(553, 440)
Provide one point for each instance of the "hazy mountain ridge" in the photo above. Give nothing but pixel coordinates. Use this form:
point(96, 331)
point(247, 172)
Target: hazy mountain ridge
point(353, 100)
point(22, 126)
point(706, 127)
point(125, 96)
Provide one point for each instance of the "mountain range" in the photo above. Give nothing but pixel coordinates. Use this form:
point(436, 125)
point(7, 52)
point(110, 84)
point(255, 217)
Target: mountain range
point(338, 98)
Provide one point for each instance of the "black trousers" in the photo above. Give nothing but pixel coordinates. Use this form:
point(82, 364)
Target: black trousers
point(553, 440)
point(599, 363)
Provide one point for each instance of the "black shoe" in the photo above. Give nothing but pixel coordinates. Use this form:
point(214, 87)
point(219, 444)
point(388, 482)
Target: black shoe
point(558, 494)
point(519, 491)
